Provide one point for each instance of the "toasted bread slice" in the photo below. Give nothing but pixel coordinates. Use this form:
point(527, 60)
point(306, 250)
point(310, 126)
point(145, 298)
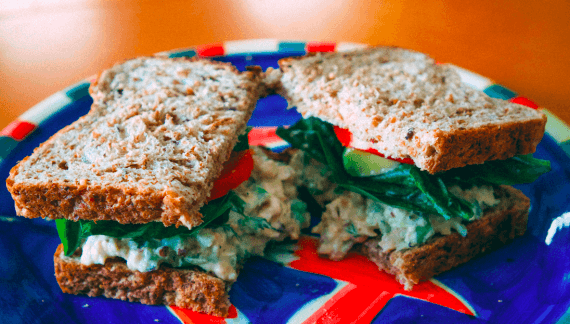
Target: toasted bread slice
point(404, 105)
point(149, 149)
point(191, 289)
point(498, 226)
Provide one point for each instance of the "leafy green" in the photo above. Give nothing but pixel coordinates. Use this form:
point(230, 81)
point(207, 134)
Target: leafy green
point(299, 211)
point(251, 224)
point(307, 134)
point(422, 231)
point(351, 229)
point(313, 207)
point(434, 188)
point(406, 186)
point(69, 234)
point(243, 143)
point(516, 170)
point(254, 223)
point(214, 214)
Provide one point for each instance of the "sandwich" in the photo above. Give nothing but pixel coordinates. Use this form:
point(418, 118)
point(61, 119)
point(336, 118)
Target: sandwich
point(158, 198)
point(410, 166)
point(156, 195)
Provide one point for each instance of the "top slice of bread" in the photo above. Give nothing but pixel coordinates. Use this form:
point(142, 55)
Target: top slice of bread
point(404, 105)
point(149, 149)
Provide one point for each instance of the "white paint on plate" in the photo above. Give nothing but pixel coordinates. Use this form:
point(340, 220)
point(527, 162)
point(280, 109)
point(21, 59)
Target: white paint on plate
point(345, 46)
point(251, 46)
point(315, 307)
point(43, 110)
point(557, 224)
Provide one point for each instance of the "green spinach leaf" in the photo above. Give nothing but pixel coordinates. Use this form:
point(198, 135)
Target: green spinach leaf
point(406, 186)
point(243, 143)
point(516, 170)
point(254, 224)
point(214, 213)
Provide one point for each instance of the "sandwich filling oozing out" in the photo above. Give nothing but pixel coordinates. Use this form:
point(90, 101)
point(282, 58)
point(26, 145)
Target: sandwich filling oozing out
point(398, 202)
point(350, 218)
point(253, 205)
point(264, 208)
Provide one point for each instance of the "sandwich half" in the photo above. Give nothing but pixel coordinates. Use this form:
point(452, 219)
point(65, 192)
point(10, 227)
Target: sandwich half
point(410, 166)
point(156, 195)
point(150, 148)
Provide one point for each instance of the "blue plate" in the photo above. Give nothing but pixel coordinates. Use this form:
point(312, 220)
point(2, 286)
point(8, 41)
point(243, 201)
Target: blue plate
point(524, 282)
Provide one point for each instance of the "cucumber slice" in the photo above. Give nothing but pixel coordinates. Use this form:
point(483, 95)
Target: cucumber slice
point(363, 164)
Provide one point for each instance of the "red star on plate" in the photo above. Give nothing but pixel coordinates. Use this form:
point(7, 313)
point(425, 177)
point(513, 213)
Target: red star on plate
point(369, 288)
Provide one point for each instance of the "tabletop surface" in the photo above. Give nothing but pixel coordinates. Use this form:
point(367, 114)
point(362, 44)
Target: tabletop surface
point(49, 45)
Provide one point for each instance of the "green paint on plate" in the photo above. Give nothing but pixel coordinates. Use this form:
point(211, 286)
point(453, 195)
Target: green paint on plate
point(185, 53)
point(78, 91)
point(7, 144)
point(499, 92)
point(291, 47)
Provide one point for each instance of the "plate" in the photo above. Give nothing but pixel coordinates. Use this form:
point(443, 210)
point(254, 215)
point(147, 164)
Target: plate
point(526, 281)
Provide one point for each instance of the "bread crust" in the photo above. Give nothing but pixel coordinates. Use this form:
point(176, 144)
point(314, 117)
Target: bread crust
point(461, 147)
point(75, 202)
point(404, 105)
point(191, 134)
point(185, 288)
point(499, 226)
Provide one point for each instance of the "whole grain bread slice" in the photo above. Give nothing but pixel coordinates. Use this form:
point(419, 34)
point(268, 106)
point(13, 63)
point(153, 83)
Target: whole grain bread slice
point(498, 226)
point(185, 288)
point(149, 149)
point(404, 105)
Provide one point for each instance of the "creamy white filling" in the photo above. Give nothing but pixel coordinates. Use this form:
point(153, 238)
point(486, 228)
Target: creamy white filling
point(270, 195)
point(351, 218)
point(217, 250)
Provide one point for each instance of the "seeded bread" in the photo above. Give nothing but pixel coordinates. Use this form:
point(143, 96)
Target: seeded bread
point(402, 104)
point(191, 289)
point(499, 226)
point(149, 149)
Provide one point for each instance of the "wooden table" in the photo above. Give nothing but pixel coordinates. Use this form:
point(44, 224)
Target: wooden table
point(46, 47)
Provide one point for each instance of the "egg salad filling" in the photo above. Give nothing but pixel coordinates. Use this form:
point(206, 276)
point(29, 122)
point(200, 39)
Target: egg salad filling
point(351, 218)
point(270, 211)
point(364, 194)
point(359, 198)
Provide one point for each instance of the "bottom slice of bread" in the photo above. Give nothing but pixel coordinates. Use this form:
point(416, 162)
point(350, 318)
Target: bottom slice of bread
point(498, 226)
point(191, 289)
